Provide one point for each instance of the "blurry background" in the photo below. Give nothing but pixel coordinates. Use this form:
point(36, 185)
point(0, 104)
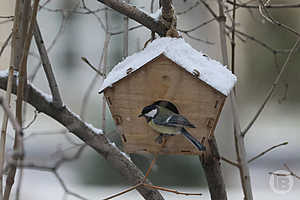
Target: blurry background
point(256, 68)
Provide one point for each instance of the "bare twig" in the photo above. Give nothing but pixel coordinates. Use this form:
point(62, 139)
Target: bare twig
point(266, 15)
point(11, 117)
point(285, 5)
point(47, 66)
point(52, 44)
point(229, 162)
point(291, 172)
point(32, 121)
point(233, 39)
point(188, 9)
point(125, 36)
point(260, 42)
point(91, 66)
point(93, 82)
point(152, 6)
point(172, 191)
point(4, 126)
point(123, 192)
point(266, 151)
point(272, 89)
point(5, 44)
point(129, 29)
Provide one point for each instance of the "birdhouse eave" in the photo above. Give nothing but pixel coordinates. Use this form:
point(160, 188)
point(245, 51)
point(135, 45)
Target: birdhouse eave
point(177, 50)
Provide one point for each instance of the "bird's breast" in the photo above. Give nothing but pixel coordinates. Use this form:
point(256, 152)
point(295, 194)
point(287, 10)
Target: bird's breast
point(164, 129)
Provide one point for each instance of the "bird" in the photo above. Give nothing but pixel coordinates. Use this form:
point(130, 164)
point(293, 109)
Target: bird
point(166, 122)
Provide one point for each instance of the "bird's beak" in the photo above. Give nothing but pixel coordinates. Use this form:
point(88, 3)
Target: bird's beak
point(141, 115)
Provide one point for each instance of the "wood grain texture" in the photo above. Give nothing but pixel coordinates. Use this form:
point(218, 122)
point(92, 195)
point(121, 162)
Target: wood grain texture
point(162, 79)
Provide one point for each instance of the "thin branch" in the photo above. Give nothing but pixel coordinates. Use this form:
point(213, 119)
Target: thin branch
point(84, 59)
point(62, 183)
point(230, 162)
point(125, 35)
point(104, 70)
point(261, 43)
point(188, 9)
point(47, 66)
point(291, 172)
point(233, 39)
point(88, 92)
point(32, 121)
point(137, 15)
point(6, 17)
point(52, 44)
point(5, 44)
point(129, 29)
point(198, 39)
point(172, 191)
point(285, 5)
point(4, 126)
point(272, 89)
point(152, 6)
point(11, 117)
point(266, 151)
point(124, 192)
point(266, 15)
point(197, 27)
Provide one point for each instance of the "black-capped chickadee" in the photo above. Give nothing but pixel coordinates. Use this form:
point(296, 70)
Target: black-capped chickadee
point(165, 121)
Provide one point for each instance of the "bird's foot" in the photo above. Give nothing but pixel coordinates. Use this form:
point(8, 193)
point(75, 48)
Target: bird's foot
point(159, 139)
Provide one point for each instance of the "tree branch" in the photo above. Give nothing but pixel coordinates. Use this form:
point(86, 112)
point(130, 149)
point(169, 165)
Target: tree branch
point(137, 15)
point(47, 66)
point(239, 140)
point(272, 89)
point(167, 10)
point(266, 151)
point(91, 136)
point(245, 5)
point(212, 168)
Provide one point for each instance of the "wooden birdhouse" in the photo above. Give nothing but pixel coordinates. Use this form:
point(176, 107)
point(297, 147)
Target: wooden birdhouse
point(168, 69)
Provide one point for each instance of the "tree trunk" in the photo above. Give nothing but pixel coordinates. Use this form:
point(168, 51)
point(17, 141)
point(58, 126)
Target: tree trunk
point(212, 168)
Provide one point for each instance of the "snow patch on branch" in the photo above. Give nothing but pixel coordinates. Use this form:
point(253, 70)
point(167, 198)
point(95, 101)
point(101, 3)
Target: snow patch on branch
point(123, 153)
point(94, 129)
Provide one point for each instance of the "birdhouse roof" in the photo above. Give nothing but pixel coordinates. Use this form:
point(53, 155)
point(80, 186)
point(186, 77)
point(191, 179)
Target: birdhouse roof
point(176, 49)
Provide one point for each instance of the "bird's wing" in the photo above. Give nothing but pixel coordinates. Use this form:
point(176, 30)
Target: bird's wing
point(173, 121)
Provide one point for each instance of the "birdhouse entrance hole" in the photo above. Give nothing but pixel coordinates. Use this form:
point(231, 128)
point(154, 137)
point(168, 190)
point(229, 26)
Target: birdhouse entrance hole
point(168, 105)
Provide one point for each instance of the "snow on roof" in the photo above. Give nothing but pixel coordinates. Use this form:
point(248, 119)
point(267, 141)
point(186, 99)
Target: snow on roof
point(176, 49)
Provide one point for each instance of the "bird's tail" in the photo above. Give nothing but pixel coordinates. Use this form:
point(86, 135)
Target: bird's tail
point(193, 140)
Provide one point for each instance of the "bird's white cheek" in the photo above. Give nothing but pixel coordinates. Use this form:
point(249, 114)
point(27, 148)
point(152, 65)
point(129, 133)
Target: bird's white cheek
point(152, 113)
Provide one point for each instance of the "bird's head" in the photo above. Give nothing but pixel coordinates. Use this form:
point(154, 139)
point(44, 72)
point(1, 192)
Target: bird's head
point(149, 112)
